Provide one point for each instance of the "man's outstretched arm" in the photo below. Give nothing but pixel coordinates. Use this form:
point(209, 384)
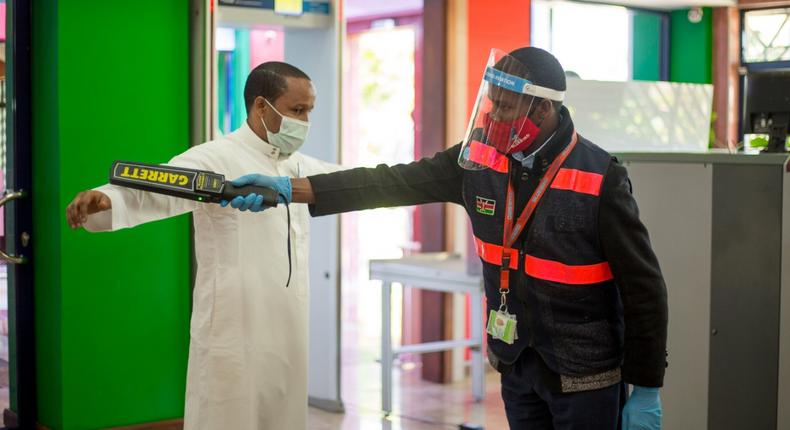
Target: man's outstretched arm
point(429, 180)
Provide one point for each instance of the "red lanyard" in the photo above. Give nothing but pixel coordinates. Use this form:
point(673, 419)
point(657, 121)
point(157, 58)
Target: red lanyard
point(512, 232)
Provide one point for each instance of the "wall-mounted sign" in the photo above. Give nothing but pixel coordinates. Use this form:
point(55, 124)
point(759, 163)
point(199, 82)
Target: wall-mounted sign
point(283, 7)
point(260, 4)
point(289, 7)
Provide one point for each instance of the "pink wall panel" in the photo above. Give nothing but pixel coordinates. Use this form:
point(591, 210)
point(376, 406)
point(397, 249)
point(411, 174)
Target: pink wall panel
point(266, 45)
point(2, 21)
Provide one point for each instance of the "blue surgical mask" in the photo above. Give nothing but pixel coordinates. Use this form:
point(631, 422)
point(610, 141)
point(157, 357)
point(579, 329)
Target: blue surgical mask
point(291, 136)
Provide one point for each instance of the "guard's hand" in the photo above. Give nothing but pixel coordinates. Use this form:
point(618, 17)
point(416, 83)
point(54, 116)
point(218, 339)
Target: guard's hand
point(254, 202)
point(642, 411)
point(84, 204)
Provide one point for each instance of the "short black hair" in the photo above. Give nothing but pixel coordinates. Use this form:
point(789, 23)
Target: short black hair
point(542, 68)
point(267, 80)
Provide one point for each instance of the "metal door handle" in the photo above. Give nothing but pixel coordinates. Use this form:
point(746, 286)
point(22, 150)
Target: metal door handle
point(7, 197)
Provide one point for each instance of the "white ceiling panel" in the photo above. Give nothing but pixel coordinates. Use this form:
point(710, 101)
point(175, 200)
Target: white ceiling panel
point(668, 4)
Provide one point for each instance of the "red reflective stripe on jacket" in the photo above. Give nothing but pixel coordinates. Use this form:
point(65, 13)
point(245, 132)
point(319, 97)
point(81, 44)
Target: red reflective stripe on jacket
point(578, 181)
point(492, 254)
point(574, 275)
point(481, 153)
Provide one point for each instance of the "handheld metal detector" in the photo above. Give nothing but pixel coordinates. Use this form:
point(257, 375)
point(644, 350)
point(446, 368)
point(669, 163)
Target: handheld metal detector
point(186, 183)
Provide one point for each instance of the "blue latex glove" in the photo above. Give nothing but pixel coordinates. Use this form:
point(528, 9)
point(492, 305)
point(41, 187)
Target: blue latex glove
point(254, 202)
point(642, 411)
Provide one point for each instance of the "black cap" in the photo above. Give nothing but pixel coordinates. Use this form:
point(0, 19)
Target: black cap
point(543, 69)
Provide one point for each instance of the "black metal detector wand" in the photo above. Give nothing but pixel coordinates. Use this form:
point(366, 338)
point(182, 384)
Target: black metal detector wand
point(191, 184)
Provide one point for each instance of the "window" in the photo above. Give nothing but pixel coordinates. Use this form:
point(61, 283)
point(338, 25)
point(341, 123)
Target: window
point(765, 41)
point(603, 42)
point(766, 35)
point(590, 40)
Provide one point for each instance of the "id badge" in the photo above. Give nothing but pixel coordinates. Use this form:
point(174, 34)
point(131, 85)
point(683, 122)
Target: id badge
point(502, 326)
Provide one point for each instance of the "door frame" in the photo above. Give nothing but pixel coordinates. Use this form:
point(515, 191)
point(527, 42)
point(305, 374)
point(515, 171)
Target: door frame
point(19, 217)
point(429, 23)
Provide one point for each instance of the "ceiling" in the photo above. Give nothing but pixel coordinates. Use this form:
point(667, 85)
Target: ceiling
point(668, 4)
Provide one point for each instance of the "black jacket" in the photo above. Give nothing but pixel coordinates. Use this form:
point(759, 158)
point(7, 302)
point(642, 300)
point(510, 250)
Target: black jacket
point(624, 239)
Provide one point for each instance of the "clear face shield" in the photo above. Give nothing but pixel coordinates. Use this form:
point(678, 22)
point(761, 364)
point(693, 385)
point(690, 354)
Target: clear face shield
point(500, 122)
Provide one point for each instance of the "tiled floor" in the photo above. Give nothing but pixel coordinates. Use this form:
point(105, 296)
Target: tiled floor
point(418, 405)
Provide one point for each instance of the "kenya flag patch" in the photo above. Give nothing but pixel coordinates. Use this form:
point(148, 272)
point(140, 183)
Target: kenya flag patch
point(485, 206)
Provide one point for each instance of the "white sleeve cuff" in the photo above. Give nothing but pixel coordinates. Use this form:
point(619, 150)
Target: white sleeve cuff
point(112, 219)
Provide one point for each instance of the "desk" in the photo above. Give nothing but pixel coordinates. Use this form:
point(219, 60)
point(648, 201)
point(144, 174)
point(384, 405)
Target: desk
point(720, 227)
point(435, 272)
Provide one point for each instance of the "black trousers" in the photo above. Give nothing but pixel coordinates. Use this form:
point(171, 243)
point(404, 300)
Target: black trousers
point(531, 405)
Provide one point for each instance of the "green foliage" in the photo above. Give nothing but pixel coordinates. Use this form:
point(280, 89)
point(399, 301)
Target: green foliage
point(758, 142)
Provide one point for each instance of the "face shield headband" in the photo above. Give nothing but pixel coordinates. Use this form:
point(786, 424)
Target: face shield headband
point(515, 135)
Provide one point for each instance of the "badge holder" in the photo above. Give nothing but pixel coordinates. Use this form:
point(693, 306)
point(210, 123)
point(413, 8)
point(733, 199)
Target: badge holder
point(502, 324)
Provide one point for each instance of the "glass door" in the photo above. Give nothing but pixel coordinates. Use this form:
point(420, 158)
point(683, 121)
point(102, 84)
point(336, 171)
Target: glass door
point(17, 350)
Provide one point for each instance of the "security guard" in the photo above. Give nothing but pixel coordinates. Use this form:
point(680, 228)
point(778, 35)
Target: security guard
point(576, 300)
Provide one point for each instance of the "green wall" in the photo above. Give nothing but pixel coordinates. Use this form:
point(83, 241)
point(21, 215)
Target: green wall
point(691, 47)
point(110, 81)
point(222, 90)
point(646, 46)
point(46, 214)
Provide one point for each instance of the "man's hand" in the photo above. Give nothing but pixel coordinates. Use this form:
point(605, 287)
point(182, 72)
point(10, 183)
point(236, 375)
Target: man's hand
point(642, 411)
point(253, 202)
point(84, 204)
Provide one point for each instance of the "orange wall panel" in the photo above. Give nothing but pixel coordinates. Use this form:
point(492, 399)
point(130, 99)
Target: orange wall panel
point(502, 24)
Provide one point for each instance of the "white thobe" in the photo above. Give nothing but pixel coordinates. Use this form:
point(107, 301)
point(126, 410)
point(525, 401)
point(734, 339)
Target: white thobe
point(249, 333)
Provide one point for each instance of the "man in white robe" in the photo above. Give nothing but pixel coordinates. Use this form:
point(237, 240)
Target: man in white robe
point(248, 334)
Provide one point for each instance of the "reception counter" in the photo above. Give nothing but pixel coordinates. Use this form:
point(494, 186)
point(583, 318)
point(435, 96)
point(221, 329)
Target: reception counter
point(719, 224)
